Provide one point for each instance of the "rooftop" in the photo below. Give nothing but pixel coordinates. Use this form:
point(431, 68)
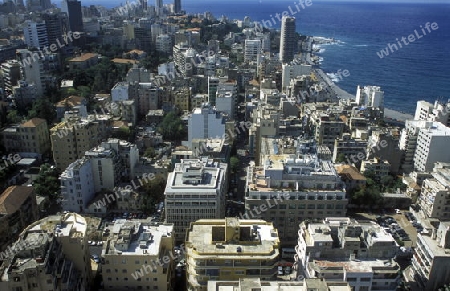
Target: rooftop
point(214, 238)
point(132, 237)
point(84, 57)
point(33, 122)
point(13, 197)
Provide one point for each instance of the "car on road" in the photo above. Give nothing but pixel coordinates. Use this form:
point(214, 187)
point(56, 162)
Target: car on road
point(397, 211)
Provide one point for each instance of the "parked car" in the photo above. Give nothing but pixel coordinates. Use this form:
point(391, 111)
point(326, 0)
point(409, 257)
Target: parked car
point(280, 270)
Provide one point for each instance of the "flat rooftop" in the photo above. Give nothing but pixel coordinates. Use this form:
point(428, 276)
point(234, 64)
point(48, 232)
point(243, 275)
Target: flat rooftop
point(208, 239)
point(136, 237)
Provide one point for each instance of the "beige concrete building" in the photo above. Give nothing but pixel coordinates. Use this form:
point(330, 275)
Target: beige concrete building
point(51, 254)
point(72, 138)
point(246, 284)
point(84, 61)
point(17, 210)
point(342, 249)
point(230, 249)
point(30, 138)
point(434, 199)
point(138, 256)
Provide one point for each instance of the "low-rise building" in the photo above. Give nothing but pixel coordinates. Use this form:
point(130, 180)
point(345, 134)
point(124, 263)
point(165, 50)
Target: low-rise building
point(256, 284)
point(230, 249)
point(379, 168)
point(84, 61)
point(138, 256)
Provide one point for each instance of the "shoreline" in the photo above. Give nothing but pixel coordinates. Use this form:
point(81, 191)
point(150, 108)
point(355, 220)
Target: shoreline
point(390, 115)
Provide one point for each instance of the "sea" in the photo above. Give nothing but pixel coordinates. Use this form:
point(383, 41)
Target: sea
point(418, 70)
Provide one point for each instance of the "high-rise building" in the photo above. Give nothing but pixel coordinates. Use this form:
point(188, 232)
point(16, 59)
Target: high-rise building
point(432, 143)
point(196, 189)
point(230, 249)
point(10, 73)
point(159, 7)
point(73, 10)
point(287, 40)
point(57, 25)
point(77, 185)
point(252, 50)
point(177, 6)
point(35, 34)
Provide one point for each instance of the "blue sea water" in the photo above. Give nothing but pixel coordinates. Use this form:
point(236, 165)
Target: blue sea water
point(417, 71)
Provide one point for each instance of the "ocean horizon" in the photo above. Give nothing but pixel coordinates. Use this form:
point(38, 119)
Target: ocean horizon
point(409, 72)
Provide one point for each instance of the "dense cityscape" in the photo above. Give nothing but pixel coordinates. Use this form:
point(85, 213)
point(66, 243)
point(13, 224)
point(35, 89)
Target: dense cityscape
point(145, 148)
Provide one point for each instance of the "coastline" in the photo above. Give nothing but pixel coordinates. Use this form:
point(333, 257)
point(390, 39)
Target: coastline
point(390, 115)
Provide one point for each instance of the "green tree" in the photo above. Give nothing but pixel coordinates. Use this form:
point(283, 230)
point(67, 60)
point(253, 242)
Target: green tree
point(340, 158)
point(153, 193)
point(47, 183)
point(43, 108)
point(234, 164)
point(150, 153)
point(13, 117)
point(172, 127)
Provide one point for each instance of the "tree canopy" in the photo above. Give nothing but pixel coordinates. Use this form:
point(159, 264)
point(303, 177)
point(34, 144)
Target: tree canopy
point(172, 127)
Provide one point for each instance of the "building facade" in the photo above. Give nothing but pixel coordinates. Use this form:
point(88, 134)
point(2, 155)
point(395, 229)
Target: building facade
point(196, 189)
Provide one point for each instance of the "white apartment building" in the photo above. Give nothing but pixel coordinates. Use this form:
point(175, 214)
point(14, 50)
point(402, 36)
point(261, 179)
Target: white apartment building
point(408, 142)
point(341, 249)
point(370, 96)
point(206, 122)
point(432, 147)
point(35, 34)
point(77, 186)
point(138, 256)
point(196, 189)
point(430, 268)
point(434, 199)
point(292, 71)
point(438, 112)
point(50, 254)
point(252, 50)
point(164, 43)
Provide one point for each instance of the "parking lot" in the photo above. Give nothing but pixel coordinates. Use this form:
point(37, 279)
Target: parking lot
point(404, 225)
